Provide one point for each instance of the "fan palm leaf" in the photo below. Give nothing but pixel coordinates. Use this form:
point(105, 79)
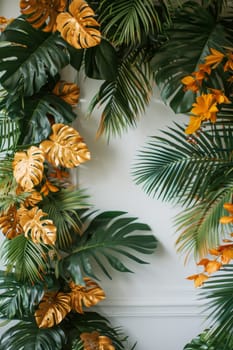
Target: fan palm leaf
point(125, 97)
point(64, 208)
point(18, 299)
point(89, 322)
point(218, 292)
point(199, 228)
point(177, 58)
point(28, 62)
point(128, 21)
point(9, 133)
point(183, 172)
point(27, 259)
point(27, 336)
point(107, 239)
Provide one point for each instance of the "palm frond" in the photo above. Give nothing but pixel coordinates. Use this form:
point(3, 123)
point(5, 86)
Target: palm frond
point(89, 322)
point(18, 299)
point(218, 291)
point(176, 170)
point(177, 58)
point(65, 208)
point(9, 133)
point(28, 62)
point(108, 237)
point(199, 228)
point(125, 97)
point(25, 336)
point(28, 260)
point(128, 21)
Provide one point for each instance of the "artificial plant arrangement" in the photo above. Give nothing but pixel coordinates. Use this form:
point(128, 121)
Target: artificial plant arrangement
point(56, 245)
point(191, 165)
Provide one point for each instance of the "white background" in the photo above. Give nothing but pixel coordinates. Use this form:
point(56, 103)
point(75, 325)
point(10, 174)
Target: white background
point(156, 306)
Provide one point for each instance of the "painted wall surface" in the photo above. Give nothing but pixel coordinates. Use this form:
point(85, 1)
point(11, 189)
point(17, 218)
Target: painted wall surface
point(156, 306)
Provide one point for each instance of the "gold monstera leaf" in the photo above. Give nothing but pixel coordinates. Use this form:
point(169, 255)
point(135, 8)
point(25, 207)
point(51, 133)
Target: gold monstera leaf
point(28, 168)
point(89, 295)
point(94, 340)
point(42, 13)
point(78, 27)
point(65, 147)
point(69, 92)
point(52, 309)
point(9, 223)
point(36, 227)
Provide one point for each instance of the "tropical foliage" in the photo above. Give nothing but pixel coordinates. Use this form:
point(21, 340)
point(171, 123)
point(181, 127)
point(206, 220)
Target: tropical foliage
point(191, 164)
point(54, 239)
point(56, 246)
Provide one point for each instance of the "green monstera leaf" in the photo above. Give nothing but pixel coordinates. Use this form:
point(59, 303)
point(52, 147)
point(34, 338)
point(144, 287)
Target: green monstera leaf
point(28, 61)
point(194, 31)
point(107, 238)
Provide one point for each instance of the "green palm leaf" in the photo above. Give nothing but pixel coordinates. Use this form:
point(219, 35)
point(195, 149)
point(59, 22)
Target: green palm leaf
point(27, 336)
point(183, 172)
point(89, 322)
point(64, 208)
point(28, 260)
point(128, 21)
point(18, 299)
point(9, 133)
point(177, 57)
point(199, 228)
point(109, 237)
point(125, 97)
point(218, 291)
point(29, 56)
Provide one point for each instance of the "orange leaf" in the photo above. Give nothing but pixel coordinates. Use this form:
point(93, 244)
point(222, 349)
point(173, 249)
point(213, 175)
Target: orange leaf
point(9, 223)
point(78, 27)
point(65, 147)
point(52, 309)
point(42, 13)
point(38, 229)
point(199, 279)
point(28, 168)
point(69, 92)
point(89, 295)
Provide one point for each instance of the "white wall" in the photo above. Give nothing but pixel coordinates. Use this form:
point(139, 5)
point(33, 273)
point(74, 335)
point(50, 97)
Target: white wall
point(156, 306)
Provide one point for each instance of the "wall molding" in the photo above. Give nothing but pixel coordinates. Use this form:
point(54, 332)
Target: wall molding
point(172, 303)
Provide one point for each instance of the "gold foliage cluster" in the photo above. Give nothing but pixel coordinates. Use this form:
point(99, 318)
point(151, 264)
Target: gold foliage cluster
point(64, 149)
point(207, 104)
point(56, 305)
point(95, 341)
point(77, 26)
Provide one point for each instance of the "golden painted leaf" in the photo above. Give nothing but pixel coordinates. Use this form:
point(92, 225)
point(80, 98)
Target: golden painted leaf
point(36, 227)
point(52, 309)
point(34, 197)
point(9, 223)
point(198, 279)
point(69, 92)
point(48, 187)
point(65, 147)
point(89, 295)
point(90, 340)
point(105, 343)
point(78, 27)
point(42, 13)
point(28, 168)
point(4, 23)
